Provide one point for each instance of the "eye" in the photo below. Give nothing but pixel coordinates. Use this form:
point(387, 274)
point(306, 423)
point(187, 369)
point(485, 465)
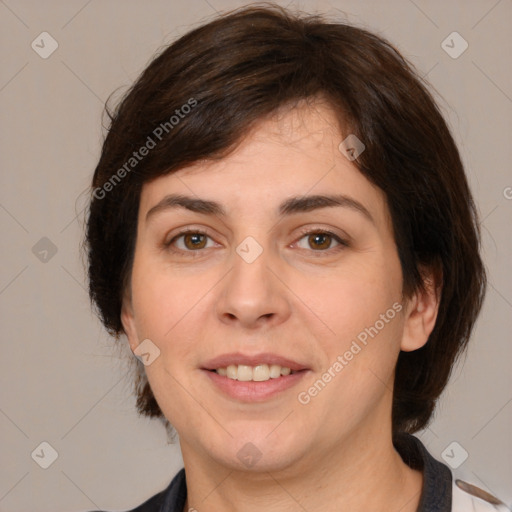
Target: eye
point(192, 240)
point(321, 241)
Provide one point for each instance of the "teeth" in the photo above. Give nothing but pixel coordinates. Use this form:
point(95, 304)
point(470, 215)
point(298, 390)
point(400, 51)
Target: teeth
point(258, 373)
point(244, 372)
point(275, 371)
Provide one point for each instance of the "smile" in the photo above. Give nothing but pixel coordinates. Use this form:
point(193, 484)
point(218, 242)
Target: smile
point(258, 373)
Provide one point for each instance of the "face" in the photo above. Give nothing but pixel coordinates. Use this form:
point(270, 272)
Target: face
point(271, 278)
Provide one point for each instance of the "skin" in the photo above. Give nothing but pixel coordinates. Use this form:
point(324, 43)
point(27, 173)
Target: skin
point(303, 299)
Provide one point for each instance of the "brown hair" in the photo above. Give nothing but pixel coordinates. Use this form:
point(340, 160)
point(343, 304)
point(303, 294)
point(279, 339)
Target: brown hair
point(241, 67)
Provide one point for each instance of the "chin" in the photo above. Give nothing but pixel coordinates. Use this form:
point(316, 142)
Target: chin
point(256, 453)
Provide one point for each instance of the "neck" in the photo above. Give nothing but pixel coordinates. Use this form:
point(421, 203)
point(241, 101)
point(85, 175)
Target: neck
point(364, 473)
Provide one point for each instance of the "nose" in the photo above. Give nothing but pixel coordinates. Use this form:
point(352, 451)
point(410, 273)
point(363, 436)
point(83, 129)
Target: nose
point(251, 294)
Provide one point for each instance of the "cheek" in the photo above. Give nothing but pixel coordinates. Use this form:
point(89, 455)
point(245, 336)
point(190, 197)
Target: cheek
point(159, 302)
point(171, 310)
point(161, 298)
point(353, 298)
point(360, 352)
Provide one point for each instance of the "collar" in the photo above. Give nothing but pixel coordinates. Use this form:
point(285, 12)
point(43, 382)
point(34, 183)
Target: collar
point(436, 495)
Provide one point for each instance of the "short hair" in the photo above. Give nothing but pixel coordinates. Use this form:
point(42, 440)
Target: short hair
point(201, 95)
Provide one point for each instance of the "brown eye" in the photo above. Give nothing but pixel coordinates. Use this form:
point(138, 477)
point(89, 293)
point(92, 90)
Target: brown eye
point(321, 241)
point(194, 241)
point(189, 241)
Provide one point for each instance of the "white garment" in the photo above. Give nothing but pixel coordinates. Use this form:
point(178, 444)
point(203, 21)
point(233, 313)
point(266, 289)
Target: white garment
point(464, 501)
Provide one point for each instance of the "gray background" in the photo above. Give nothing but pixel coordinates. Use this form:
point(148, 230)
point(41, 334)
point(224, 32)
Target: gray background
point(61, 380)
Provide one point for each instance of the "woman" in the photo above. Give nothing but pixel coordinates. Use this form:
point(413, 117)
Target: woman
point(281, 226)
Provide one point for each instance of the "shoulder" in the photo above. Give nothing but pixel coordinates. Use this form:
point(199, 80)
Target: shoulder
point(468, 497)
point(442, 489)
point(153, 504)
point(171, 498)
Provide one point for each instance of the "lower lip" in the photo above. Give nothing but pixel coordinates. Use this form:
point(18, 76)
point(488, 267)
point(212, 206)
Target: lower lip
point(251, 391)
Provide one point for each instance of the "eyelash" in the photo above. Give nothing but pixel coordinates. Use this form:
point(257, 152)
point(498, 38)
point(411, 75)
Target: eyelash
point(318, 253)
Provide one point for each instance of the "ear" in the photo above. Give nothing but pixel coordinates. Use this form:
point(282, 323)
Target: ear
point(421, 311)
point(128, 321)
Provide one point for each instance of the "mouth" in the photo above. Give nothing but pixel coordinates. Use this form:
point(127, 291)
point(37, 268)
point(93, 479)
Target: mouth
point(259, 373)
point(257, 367)
point(253, 378)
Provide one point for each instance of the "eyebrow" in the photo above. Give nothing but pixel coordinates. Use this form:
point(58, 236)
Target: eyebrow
point(287, 207)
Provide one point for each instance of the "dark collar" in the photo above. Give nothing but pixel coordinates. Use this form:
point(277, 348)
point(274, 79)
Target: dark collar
point(436, 495)
point(437, 477)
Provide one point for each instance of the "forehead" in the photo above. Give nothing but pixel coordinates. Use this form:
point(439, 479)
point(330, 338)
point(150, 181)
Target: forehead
point(294, 152)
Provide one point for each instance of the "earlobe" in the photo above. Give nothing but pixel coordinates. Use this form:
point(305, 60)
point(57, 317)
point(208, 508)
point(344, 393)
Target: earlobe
point(128, 321)
point(421, 314)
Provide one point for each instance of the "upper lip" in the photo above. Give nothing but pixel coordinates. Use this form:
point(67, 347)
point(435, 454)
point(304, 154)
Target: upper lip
point(224, 360)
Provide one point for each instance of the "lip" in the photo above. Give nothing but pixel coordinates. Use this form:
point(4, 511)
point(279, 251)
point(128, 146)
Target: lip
point(252, 391)
point(224, 360)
